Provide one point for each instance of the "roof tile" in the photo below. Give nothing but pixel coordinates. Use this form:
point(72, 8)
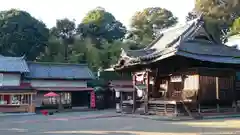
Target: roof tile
point(59, 71)
point(13, 64)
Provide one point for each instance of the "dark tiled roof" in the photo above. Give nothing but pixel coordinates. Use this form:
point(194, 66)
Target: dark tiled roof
point(180, 40)
point(165, 40)
point(204, 48)
point(137, 53)
point(58, 71)
point(170, 35)
point(13, 64)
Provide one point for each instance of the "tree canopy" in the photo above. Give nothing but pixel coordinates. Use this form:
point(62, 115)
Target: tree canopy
point(146, 23)
point(101, 25)
point(21, 34)
point(235, 28)
point(224, 10)
point(65, 31)
point(219, 15)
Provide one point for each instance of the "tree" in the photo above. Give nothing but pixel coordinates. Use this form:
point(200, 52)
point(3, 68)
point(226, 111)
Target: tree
point(110, 53)
point(21, 34)
point(65, 30)
point(100, 25)
point(218, 15)
point(223, 10)
point(147, 22)
point(54, 52)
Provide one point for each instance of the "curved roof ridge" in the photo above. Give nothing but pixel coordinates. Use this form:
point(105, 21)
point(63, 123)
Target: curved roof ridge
point(179, 25)
point(176, 26)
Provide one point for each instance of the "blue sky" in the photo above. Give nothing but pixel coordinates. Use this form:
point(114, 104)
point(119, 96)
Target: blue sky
point(50, 10)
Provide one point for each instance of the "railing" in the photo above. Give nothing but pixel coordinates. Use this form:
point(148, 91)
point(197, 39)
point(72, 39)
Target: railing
point(186, 108)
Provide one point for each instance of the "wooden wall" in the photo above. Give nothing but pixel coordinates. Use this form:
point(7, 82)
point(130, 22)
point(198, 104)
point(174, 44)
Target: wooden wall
point(199, 84)
point(237, 87)
point(187, 89)
point(208, 91)
point(16, 108)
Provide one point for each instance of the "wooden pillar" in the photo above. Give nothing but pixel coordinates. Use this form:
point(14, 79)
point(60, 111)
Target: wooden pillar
point(60, 105)
point(21, 97)
point(156, 82)
point(176, 110)
point(2, 99)
point(146, 92)
point(121, 101)
point(31, 100)
point(134, 93)
point(234, 92)
point(166, 92)
point(217, 93)
point(199, 108)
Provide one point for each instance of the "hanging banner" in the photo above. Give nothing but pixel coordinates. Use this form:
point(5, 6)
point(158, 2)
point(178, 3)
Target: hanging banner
point(93, 99)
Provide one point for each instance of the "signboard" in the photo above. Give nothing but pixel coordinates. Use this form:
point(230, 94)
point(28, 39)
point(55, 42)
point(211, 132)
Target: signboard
point(93, 99)
point(176, 79)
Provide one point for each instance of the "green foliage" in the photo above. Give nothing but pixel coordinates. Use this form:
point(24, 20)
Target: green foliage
point(112, 75)
point(98, 39)
point(235, 28)
point(219, 15)
point(222, 10)
point(21, 34)
point(53, 52)
point(97, 83)
point(145, 22)
point(100, 25)
point(64, 29)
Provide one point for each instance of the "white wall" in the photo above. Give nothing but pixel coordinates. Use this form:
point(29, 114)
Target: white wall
point(9, 79)
point(57, 83)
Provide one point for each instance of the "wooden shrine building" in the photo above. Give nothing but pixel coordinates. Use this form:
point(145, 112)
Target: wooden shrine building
point(184, 71)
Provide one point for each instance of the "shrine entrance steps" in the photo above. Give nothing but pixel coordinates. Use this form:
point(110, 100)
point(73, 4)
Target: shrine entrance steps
point(172, 108)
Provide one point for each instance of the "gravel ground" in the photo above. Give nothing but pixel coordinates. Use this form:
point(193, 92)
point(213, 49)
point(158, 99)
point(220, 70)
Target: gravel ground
point(86, 123)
